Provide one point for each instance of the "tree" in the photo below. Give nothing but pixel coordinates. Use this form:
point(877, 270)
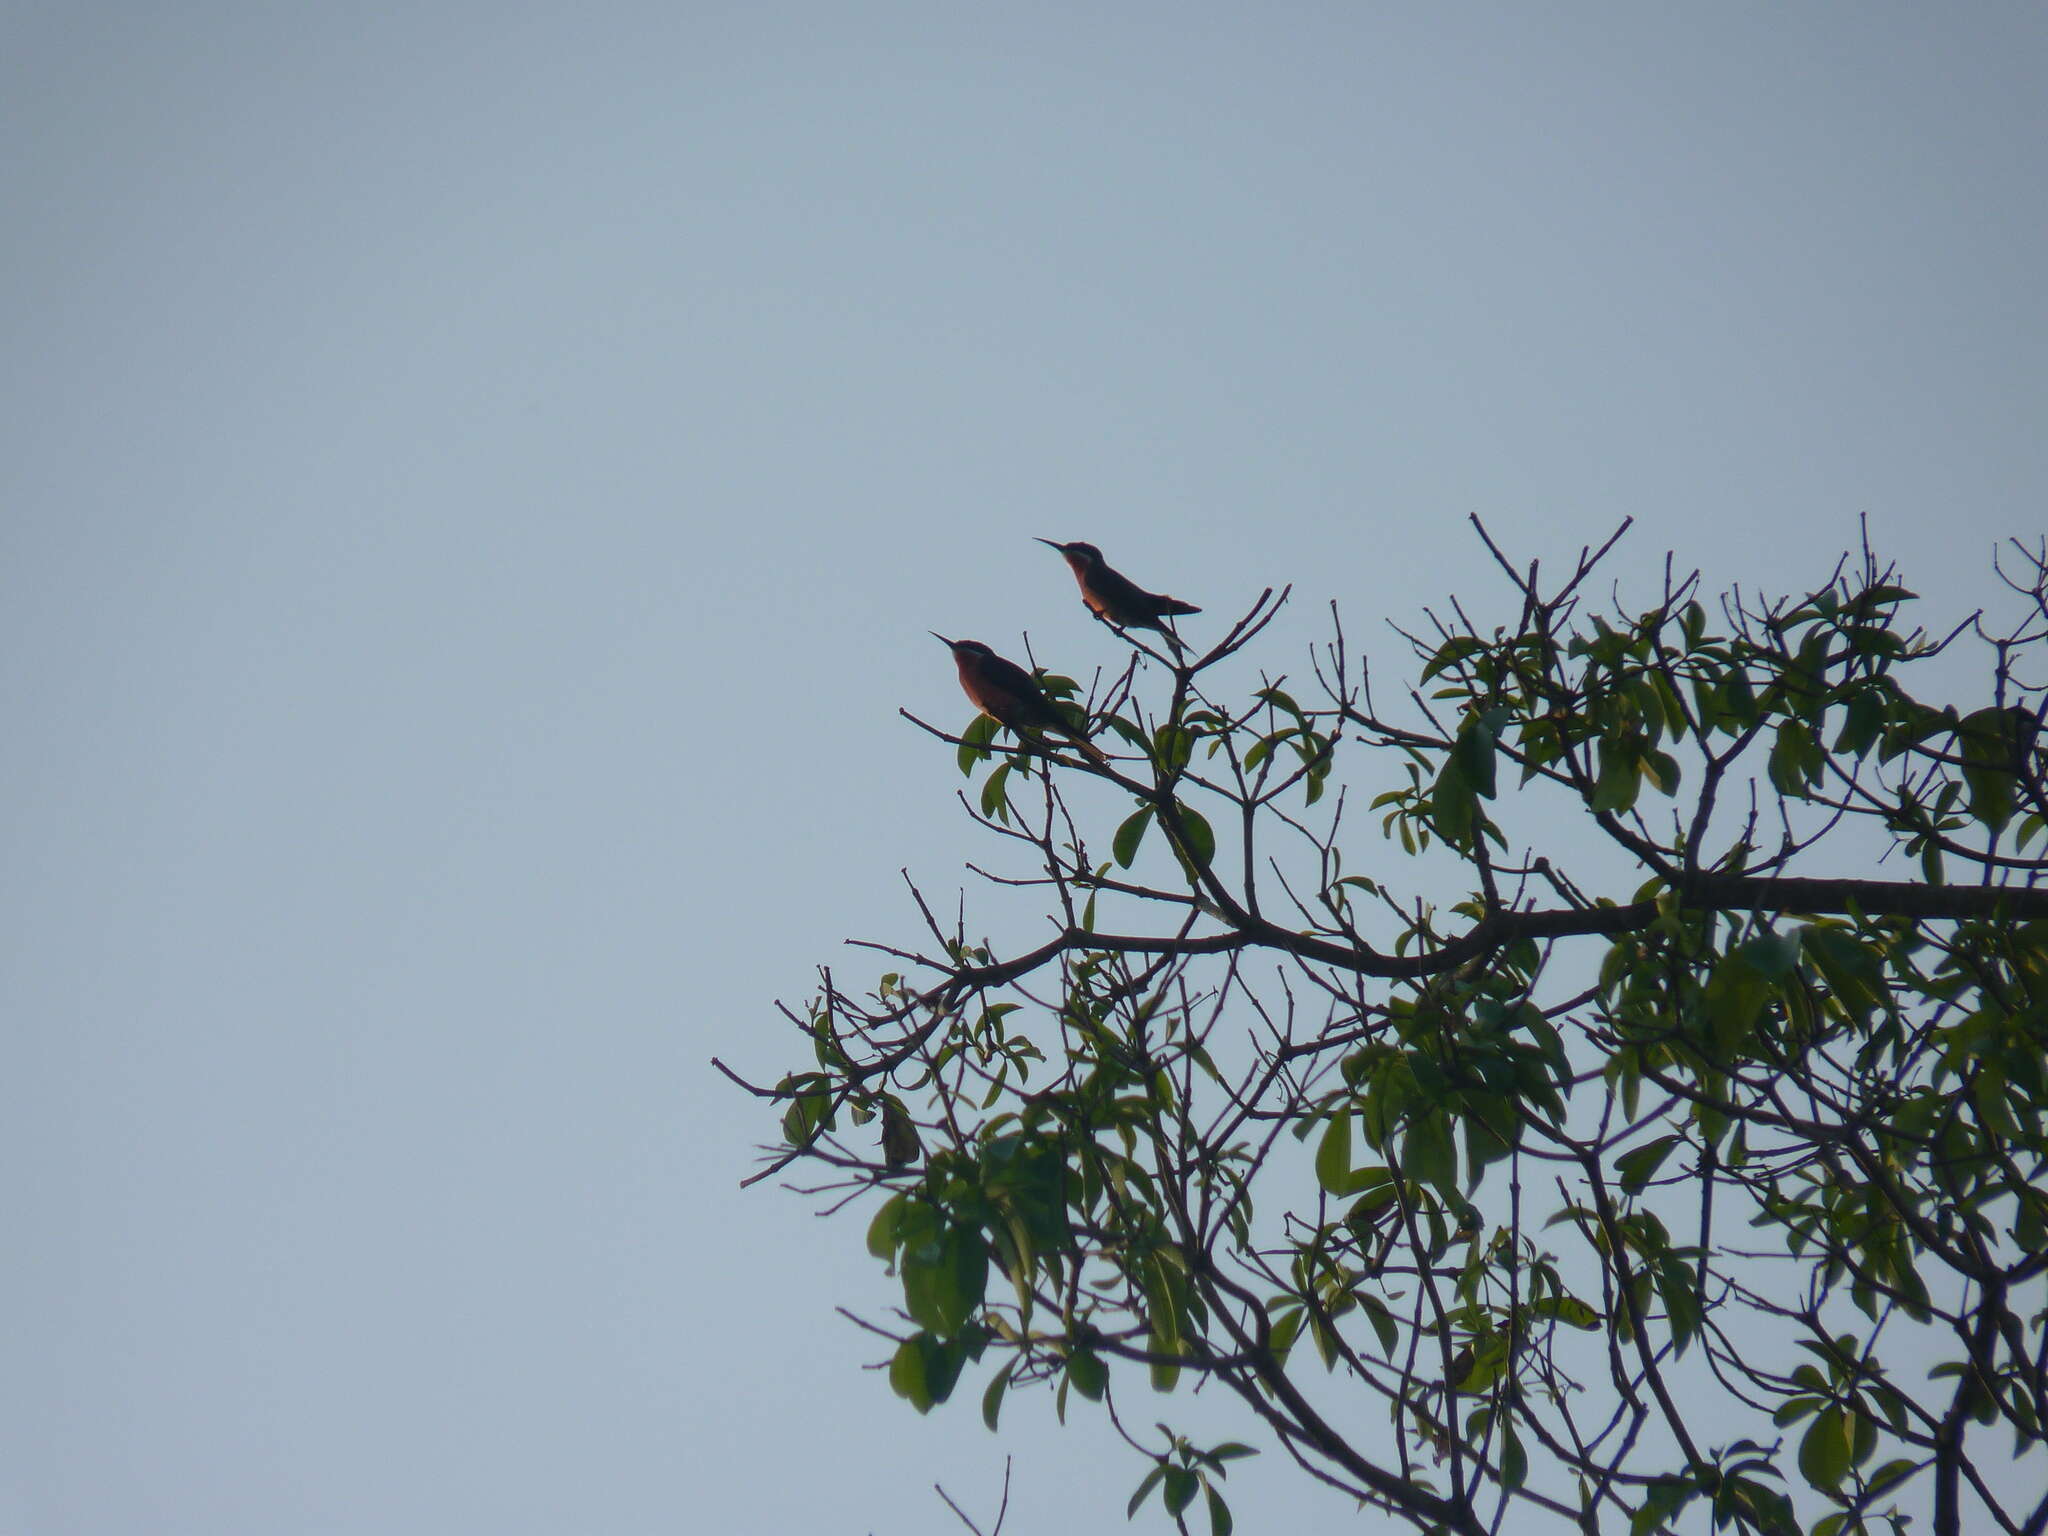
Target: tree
point(1658, 1143)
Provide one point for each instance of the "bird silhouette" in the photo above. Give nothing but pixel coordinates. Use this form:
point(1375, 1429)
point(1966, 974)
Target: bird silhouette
point(1114, 597)
point(1006, 693)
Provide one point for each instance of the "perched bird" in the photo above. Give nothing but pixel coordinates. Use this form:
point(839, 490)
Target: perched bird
point(1005, 692)
point(1115, 597)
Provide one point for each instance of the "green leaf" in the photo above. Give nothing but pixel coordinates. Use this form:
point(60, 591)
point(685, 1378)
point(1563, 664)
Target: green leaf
point(1663, 1499)
point(1890, 1474)
point(1220, 1523)
point(1172, 746)
point(1129, 732)
point(808, 1113)
point(1852, 972)
point(992, 1398)
point(1165, 1374)
point(974, 742)
point(1333, 1154)
point(1862, 722)
point(1452, 804)
point(1150, 1482)
point(1453, 651)
point(1378, 1195)
point(945, 1279)
point(919, 1270)
point(1181, 1488)
point(1514, 1460)
point(1476, 1370)
point(1199, 835)
point(1738, 702)
point(1825, 1448)
point(1567, 1309)
point(906, 1375)
point(882, 1230)
point(1794, 758)
point(1773, 956)
point(960, 1280)
point(1793, 1409)
point(1382, 1319)
point(2030, 1223)
point(1287, 1324)
point(1474, 754)
point(924, 1370)
point(1088, 1374)
point(1163, 1293)
point(1620, 777)
point(1637, 1168)
point(1677, 1287)
point(995, 802)
point(1319, 771)
point(1125, 847)
point(1988, 755)
point(1735, 995)
point(1431, 1154)
point(942, 1365)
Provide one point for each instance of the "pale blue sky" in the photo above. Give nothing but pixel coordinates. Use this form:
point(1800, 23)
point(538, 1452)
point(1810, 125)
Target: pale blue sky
point(477, 483)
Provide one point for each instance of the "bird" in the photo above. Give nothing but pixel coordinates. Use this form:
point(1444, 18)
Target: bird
point(1007, 694)
point(1114, 597)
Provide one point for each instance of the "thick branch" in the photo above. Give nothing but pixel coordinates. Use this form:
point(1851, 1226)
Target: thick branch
point(1700, 892)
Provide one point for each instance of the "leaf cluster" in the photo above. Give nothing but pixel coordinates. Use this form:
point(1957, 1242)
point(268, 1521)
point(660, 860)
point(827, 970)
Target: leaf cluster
point(1656, 1135)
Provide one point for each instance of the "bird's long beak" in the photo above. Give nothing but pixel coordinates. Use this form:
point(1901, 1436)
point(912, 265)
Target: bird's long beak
point(1054, 544)
point(939, 637)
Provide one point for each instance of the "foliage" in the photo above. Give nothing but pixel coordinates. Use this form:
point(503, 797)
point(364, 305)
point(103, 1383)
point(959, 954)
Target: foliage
point(1663, 1150)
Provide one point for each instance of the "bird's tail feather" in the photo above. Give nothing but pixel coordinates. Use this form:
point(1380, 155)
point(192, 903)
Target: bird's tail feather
point(1043, 738)
point(1089, 750)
